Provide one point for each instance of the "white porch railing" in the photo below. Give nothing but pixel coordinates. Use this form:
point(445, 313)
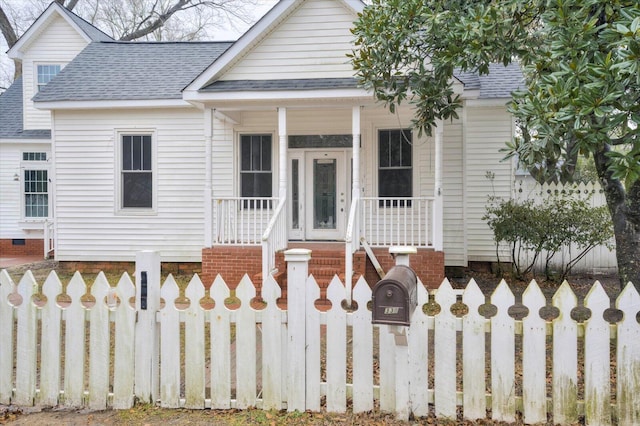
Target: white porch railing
point(274, 239)
point(49, 238)
point(240, 220)
point(397, 221)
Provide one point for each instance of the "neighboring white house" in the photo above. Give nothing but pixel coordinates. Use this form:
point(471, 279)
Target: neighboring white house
point(189, 148)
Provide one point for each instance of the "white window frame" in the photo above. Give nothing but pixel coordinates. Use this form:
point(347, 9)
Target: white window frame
point(141, 211)
point(376, 155)
point(34, 165)
point(36, 74)
point(238, 162)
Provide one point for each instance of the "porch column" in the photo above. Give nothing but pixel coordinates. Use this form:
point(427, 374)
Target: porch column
point(438, 208)
point(208, 173)
point(355, 191)
point(282, 140)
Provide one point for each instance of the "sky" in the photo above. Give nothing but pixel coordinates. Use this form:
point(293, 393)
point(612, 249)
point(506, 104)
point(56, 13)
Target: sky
point(229, 32)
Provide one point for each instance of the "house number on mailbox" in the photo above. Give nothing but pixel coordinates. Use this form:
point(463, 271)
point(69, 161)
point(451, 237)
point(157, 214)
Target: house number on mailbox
point(391, 311)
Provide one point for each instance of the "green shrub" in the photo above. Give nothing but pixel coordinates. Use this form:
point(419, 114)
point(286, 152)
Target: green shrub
point(562, 223)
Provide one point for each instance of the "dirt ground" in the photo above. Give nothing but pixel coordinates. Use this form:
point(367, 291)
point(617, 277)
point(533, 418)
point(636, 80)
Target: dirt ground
point(150, 415)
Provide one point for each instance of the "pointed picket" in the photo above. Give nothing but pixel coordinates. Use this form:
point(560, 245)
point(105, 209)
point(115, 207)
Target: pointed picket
point(418, 340)
point(7, 287)
point(26, 342)
point(597, 380)
point(220, 365)
point(312, 350)
point(473, 354)
point(362, 349)
point(386, 358)
point(125, 318)
point(246, 345)
point(503, 398)
point(271, 346)
point(169, 345)
point(74, 352)
point(628, 357)
point(194, 368)
point(50, 343)
point(445, 353)
point(99, 343)
point(336, 348)
point(534, 378)
point(565, 357)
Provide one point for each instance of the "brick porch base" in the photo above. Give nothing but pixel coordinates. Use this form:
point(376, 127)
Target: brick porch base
point(232, 262)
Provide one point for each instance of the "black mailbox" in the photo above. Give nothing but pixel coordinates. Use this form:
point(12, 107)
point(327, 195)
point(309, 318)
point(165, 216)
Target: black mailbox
point(395, 297)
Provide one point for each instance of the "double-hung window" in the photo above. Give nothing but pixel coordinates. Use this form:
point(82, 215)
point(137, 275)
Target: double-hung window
point(395, 165)
point(255, 168)
point(46, 73)
point(136, 171)
point(35, 185)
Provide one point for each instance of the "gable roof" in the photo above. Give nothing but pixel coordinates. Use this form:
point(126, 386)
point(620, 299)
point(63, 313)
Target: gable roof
point(85, 29)
point(11, 116)
point(253, 36)
point(131, 71)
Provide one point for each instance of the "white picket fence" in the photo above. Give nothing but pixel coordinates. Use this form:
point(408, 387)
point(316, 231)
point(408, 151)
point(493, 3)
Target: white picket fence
point(86, 357)
point(599, 260)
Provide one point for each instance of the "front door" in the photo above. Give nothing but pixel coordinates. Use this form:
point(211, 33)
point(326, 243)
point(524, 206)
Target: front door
point(318, 195)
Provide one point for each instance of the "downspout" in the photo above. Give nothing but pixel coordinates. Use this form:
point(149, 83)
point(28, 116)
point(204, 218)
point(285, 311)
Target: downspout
point(438, 207)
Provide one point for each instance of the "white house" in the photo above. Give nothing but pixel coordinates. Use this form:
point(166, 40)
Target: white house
point(227, 153)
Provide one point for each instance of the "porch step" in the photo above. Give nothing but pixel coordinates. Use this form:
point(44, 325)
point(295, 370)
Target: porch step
point(323, 265)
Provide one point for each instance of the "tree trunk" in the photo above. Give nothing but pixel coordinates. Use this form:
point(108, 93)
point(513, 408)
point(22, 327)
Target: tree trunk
point(624, 206)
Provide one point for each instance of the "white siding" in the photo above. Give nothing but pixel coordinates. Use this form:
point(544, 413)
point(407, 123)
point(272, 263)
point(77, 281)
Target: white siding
point(89, 227)
point(487, 131)
point(58, 43)
point(311, 43)
point(374, 119)
point(11, 190)
point(453, 193)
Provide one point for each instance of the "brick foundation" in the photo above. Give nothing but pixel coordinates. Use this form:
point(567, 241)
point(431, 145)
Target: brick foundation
point(231, 262)
point(14, 247)
point(175, 268)
point(428, 265)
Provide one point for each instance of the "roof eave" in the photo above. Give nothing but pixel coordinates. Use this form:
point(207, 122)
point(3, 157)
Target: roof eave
point(275, 95)
point(106, 104)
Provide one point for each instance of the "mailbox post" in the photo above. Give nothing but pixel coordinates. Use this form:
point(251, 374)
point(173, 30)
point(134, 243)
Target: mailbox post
point(394, 301)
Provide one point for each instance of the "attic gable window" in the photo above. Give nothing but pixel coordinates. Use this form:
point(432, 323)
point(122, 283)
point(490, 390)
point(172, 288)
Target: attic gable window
point(46, 73)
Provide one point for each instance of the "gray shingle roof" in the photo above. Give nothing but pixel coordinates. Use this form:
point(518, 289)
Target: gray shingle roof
point(92, 32)
point(499, 83)
point(131, 71)
point(11, 116)
point(291, 84)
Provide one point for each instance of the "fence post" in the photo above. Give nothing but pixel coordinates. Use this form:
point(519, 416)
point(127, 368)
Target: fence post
point(403, 373)
point(146, 361)
point(297, 273)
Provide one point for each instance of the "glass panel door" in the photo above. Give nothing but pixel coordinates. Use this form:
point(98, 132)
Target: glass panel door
point(324, 193)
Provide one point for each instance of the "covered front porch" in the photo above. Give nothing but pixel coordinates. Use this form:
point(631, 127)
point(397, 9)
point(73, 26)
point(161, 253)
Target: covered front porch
point(327, 196)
